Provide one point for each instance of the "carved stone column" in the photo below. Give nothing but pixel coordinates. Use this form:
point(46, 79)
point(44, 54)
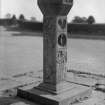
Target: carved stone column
point(54, 90)
point(54, 43)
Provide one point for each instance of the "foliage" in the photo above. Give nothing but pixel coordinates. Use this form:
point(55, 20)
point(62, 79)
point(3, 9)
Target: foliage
point(78, 19)
point(14, 20)
point(8, 16)
point(33, 19)
point(13, 17)
point(21, 17)
point(91, 20)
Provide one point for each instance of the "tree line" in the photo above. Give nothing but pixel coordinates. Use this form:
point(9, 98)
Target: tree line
point(89, 20)
point(21, 17)
point(75, 20)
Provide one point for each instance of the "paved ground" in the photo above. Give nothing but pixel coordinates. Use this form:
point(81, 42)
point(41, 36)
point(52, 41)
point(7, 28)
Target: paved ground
point(9, 87)
point(8, 91)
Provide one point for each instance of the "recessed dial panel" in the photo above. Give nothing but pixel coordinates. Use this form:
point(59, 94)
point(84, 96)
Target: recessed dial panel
point(62, 40)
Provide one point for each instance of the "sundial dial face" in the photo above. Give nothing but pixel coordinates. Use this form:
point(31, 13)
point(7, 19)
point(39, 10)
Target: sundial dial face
point(62, 40)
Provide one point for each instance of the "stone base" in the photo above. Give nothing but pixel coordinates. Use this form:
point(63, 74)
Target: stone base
point(74, 94)
point(56, 89)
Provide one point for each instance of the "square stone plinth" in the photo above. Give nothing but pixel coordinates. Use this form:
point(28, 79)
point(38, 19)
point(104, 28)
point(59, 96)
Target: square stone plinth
point(76, 93)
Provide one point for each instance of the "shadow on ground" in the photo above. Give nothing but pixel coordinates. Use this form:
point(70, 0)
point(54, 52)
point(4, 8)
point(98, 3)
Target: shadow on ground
point(14, 101)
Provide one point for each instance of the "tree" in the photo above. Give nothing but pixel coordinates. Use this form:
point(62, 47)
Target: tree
point(13, 19)
point(8, 16)
point(78, 19)
point(33, 19)
point(91, 20)
point(84, 19)
point(21, 17)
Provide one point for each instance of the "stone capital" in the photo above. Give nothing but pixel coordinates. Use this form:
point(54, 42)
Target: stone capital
point(55, 7)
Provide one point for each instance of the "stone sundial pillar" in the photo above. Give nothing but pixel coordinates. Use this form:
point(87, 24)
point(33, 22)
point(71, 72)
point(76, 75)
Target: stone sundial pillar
point(54, 43)
point(55, 90)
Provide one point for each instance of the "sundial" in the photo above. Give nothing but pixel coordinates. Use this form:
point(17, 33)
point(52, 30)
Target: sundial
point(55, 42)
point(55, 90)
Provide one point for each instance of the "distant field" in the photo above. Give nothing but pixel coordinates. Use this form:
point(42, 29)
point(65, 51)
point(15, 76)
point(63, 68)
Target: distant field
point(23, 52)
point(86, 55)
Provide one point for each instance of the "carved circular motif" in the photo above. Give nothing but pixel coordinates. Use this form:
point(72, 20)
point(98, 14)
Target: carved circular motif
point(62, 40)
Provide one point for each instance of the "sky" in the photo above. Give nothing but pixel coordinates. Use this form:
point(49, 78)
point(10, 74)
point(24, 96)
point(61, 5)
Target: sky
point(29, 8)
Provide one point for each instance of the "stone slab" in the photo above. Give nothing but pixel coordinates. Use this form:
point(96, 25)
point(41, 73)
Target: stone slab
point(76, 93)
point(14, 101)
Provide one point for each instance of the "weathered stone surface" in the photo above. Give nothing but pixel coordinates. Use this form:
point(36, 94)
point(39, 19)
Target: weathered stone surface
point(75, 94)
point(55, 49)
point(55, 45)
point(55, 7)
point(55, 90)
